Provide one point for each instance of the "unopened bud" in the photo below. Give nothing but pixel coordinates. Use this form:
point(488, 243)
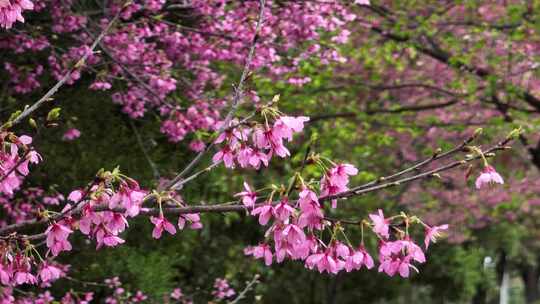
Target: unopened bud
point(32, 123)
point(515, 133)
point(53, 114)
point(478, 132)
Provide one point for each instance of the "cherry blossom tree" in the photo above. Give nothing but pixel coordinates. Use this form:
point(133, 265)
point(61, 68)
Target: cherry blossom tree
point(298, 111)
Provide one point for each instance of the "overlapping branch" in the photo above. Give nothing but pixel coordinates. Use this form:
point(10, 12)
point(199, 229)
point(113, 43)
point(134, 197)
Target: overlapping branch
point(176, 182)
point(379, 184)
point(29, 110)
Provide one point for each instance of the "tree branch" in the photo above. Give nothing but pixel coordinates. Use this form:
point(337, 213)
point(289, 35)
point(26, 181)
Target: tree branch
point(61, 82)
point(235, 102)
point(234, 206)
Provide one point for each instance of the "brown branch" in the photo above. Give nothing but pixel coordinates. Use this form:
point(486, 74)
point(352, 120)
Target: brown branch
point(238, 94)
point(29, 110)
point(388, 88)
point(418, 108)
point(437, 53)
point(363, 189)
point(153, 165)
point(436, 156)
point(236, 207)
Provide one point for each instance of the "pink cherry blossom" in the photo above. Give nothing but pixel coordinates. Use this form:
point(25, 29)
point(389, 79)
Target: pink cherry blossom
point(115, 222)
point(362, 2)
point(432, 233)
point(293, 234)
point(340, 174)
point(160, 224)
point(271, 139)
point(285, 126)
point(249, 197)
point(5, 274)
point(11, 11)
point(312, 213)
point(193, 219)
point(336, 179)
point(397, 257)
point(49, 272)
point(380, 224)
point(24, 277)
point(257, 158)
point(177, 294)
point(413, 250)
point(71, 134)
point(357, 259)
point(75, 196)
point(282, 211)
point(130, 197)
point(324, 262)
point(197, 145)
point(226, 155)
point(308, 201)
point(265, 213)
point(113, 240)
point(311, 220)
point(262, 251)
point(244, 155)
point(222, 290)
point(488, 177)
point(57, 235)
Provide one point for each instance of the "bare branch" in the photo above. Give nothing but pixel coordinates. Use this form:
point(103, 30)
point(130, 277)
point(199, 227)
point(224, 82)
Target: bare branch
point(153, 166)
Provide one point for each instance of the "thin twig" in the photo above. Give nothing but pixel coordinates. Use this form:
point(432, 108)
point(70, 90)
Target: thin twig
point(29, 110)
point(153, 165)
point(238, 94)
point(249, 286)
point(434, 157)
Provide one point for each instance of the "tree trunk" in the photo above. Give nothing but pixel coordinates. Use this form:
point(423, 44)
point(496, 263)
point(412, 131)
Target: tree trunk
point(529, 274)
point(505, 287)
point(480, 297)
point(503, 278)
point(332, 289)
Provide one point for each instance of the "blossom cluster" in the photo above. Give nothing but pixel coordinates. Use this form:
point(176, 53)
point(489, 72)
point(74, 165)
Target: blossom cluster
point(123, 202)
point(11, 11)
point(144, 51)
point(17, 269)
point(26, 204)
point(297, 228)
point(115, 292)
point(253, 147)
point(222, 290)
point(100, 212)
point(15, 156)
